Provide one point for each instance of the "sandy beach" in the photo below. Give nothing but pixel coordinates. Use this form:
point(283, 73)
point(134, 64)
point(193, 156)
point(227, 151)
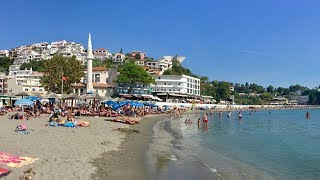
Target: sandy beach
point(129, 161)
point(63, 153)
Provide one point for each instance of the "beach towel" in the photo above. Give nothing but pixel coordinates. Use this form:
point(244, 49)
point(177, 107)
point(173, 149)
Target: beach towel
point(69, 124)
point(15, 161)
point(4, 172)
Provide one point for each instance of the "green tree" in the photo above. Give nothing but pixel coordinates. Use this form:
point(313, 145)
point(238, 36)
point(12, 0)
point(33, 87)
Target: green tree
point(97, 63)
point(57, 67)
point(270, 89)
point(5, 63)
point(35, 65)
point(132, 74)
point(266, 96)
point(223, 91)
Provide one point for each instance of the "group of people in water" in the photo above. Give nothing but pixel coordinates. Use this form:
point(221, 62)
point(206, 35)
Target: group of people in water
point(205, 120)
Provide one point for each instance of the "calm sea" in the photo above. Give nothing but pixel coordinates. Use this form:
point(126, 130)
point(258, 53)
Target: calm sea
point(281, 144)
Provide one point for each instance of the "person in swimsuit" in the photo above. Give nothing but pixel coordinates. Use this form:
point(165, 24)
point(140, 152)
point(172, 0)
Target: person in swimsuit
point(308, 115)
point(205, 120)
point(199, 123)
point(240, 116)
point(229, 115)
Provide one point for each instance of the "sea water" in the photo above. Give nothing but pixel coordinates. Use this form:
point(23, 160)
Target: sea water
point(277, 144)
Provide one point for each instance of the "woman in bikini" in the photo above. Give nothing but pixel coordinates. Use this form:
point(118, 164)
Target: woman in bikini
point(205, 120)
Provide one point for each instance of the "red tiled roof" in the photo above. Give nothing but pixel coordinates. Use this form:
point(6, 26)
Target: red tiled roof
point(78, 85)
point(101, 85)
point(99, 69)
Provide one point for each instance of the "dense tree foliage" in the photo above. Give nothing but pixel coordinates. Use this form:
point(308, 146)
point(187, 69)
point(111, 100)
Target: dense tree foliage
point(5, 63)
point(57, 67)
point(35, 65)
point(132, 74)
point(178, 69)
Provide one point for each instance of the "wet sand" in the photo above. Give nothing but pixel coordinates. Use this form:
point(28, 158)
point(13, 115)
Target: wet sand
point(129, 161)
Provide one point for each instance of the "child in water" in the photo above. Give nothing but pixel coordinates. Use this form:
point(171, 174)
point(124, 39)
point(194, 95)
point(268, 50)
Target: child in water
point(199, 123)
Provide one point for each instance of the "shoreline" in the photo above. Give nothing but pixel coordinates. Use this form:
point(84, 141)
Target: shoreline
point(128, 161)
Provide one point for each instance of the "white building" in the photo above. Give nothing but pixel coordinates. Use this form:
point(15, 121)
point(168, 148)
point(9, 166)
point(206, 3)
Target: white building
point(26, 80)
point(178, 84)
point(101, 53)
point(4, 53)
point(152, 65)
point(119, 58)
point(165, 62)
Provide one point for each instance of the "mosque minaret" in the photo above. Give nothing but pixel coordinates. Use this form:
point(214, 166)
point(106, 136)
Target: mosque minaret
point(90, 57)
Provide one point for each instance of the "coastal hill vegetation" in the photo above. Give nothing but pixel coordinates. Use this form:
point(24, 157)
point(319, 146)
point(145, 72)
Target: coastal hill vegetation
point(220, 90)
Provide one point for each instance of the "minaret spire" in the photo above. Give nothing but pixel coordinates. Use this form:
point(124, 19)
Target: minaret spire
point(90, 54)
point(90, 57)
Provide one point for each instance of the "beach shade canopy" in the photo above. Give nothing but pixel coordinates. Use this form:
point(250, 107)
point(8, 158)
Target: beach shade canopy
point(149, 104)
point(110, 103)
point(33, 98)
point(82, 103)
point(116, 99)
point(22, 93)
point(94, 96)
point(73, 96)
point(23, 102)
point(136, 104)
point(10, 94)
point(108, 98)
point(52, 96)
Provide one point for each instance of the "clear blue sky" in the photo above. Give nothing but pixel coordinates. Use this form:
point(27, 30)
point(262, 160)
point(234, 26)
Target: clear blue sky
point(267, 42)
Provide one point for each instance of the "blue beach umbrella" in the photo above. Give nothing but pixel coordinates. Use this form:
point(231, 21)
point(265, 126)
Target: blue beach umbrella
point(149, 104)
point(110, 103)
point(33, 98)
point(23, 102)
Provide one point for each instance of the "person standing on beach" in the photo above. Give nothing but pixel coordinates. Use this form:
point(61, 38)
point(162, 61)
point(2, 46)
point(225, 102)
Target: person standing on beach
point(205, 120)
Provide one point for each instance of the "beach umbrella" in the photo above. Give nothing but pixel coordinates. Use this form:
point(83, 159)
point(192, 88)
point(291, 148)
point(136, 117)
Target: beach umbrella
point(149, 104)
point(33, 98)
point(110, 103)
point(23, 102)
point(73, 96)
point(52, 96)
point(39, 96)
point(22, 94)
point(108, 98)
point(82, 103)
point(44, 101)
